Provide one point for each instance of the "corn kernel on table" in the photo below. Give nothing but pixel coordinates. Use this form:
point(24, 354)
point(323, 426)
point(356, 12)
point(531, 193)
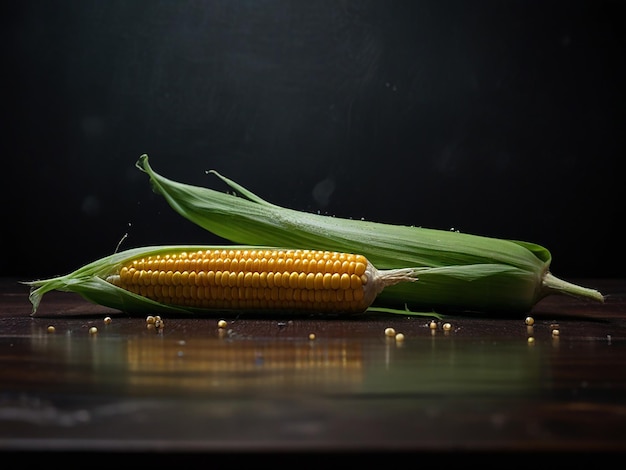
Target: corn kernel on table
point(80, 379)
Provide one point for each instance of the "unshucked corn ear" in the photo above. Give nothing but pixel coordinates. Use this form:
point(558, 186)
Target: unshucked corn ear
point(460, 272)
point(195, 279)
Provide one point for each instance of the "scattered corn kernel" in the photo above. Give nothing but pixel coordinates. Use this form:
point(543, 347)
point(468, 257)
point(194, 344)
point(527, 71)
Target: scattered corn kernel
point(555, 332)
point(432, 325)
point(531, 340)
point(222, 324)
point(311, 336)
point(51, 329)
point(150, 320)
point(530, 321)
point(390, 332)
point(107, 320)
point(400, 337)
point(447, 327)
point(93, 330)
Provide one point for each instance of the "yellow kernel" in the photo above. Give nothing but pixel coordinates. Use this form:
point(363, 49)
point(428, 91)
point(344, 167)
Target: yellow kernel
point(301, 281)
point(107, 320)
point(345, 281)
point(310, 281)
point(93, 330)
point(432, 325)
point(359, 269)
point(390, 332)
point(255, 281)
point(336, 266)
point(293, 280)
point(531, 340)
point(400, 337)
point(326, 280)
point(529, 321)
point(351, 266)
point(345, 265)
point(355, 281)
point(150, 319)
point(321, 266)
point(555, 332)
point(328, 267)
point(222, 324)
point(447, 326)
point(311, 336)
point(51, 329)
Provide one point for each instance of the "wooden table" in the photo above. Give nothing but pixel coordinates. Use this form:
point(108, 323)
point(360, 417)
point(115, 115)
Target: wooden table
point(262, 385)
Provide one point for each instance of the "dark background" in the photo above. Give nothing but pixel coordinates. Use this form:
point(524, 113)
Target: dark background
point(499, 118)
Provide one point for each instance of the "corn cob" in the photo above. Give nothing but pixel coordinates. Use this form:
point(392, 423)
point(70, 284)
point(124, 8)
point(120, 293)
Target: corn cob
point(196, 279)
point(460, 272)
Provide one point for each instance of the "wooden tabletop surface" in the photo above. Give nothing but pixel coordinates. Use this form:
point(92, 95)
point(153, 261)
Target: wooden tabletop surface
point(264, 384)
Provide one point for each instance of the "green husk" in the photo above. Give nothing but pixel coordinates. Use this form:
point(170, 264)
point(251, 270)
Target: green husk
point(461, 272)
point(90, 282)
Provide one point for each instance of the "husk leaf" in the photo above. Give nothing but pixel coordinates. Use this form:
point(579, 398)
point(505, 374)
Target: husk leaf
point(463, 272)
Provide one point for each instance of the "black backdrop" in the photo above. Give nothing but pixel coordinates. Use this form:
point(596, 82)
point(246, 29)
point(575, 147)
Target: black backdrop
point(499, 118)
